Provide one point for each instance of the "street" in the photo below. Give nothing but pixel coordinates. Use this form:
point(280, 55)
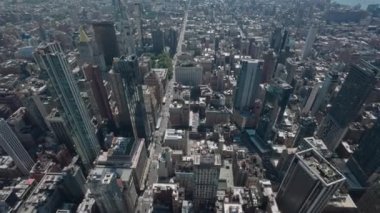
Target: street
point(155, 147)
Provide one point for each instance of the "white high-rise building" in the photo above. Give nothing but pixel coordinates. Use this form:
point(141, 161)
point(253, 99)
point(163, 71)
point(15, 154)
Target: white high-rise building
point(13, 147)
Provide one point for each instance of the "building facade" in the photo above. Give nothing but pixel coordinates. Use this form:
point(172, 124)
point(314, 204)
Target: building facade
point(190, 75)
point(248, 84)
point(320, 180)
point(347, 104)
point(206, 175)
point(131, 81)
point(51, 59)
point(106, 41)
point(13, 147)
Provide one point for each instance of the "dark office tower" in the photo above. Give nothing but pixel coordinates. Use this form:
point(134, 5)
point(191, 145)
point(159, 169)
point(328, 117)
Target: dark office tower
point(369, 202)
point(60, 129)
point(309, 183)
point(13, 147)
point(171, 40)
point(283, 91)
point(86, 54)
point(158, 41)
point(121, 112)
point(347, 104)
point(276, 40)
point(105, 37)
point(42, 32)
point(248, 84)
point(131, 81)
point(307, 127)
point(217, 41)
point(266, 121)
point(51, 59)
point(365, 161)
point(93, 76)
point(285, 41)
point(325, 93)
point(269, 65)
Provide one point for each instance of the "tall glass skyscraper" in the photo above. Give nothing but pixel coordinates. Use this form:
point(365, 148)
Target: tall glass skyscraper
point(248, 84)
point(51, 59)
point(348, 102)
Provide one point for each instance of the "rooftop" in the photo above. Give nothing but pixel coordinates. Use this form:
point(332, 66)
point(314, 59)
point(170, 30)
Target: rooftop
point(42, 193)
point(121, 146)
point(86, 205)
point(173, 134)
point(317, 144)
point(6, 162)
point(320, 167)
point(207, 159)
point(226, 174)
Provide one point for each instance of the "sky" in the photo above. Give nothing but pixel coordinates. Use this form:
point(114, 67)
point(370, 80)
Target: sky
point(364, 3)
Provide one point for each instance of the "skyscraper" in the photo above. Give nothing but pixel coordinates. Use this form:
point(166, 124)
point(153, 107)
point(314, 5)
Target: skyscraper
point(60, 129)
point(105, 37)
point(268, 66)
point(131, 79)
point(93, 76)
point(324, 94)
point(248, 84)
point(365, 161)
point(171, 39)
point(35, 106)
point(89, 52)
point(370, 200)
point(127, 44)
point(13, 147)
point(137, 17)
point(311, 98)
point(104, 188)
point(158, 41)
point(307, 127)
point(276, 99)
point(276, 39)
point(51, 59)
point(121, 112)
point(347, 104)
point(311, 35)
point(86, 54)
point(127, 23)
point(309, 183)
point(206, 175)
